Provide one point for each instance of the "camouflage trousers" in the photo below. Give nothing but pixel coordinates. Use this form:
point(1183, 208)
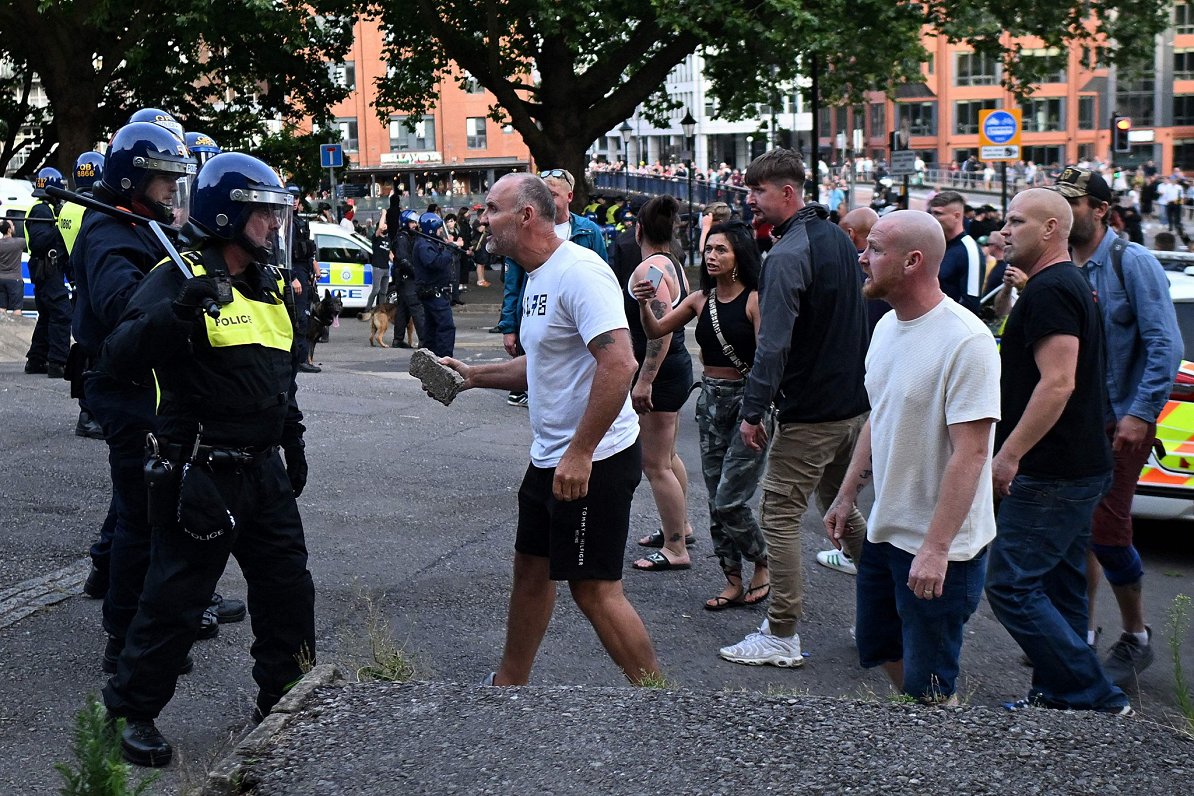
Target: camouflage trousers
point(731, 473)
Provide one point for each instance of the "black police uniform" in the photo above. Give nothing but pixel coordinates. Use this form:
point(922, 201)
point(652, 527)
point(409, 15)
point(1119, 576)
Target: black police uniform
point(48, 264)
point(111, 258)
point(434, 278)
point(302, 268)
point(403, 280)
point(227, 404)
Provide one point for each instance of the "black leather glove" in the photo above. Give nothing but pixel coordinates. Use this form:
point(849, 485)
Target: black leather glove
point(196, 296)
point(296, 468)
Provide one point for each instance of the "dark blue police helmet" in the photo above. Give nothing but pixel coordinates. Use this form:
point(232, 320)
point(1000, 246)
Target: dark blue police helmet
point(46, 177)
point(88, 169)
point(139, 151)
point(229, 188)
point(409, 217)
point(202, 146)
point(430, 223)
point(161, 118)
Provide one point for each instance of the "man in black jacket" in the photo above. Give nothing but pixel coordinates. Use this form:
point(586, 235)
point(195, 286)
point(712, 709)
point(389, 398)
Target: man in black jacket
point(810, 364)
point(409, 309)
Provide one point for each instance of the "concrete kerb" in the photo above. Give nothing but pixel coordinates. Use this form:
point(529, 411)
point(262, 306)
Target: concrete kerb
point(224, 778)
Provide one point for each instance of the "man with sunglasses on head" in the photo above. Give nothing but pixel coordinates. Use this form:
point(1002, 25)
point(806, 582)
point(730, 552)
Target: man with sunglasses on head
point(569, 226)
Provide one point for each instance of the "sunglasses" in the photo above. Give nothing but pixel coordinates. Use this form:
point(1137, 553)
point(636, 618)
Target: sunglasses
point(559, 174)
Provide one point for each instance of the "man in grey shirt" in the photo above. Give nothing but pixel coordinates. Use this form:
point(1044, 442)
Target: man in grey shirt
point(12, 291)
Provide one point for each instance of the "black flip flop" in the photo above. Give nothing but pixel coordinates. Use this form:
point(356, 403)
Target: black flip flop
point(656, 540)
point(765, 589)
point(659, 563)
point(721, 603)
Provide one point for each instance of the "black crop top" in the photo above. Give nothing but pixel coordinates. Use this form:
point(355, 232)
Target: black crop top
point(736, 327)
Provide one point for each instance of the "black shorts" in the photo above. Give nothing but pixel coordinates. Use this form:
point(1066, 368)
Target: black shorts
point(12, 294)
point(582, 539)
point(673, 383)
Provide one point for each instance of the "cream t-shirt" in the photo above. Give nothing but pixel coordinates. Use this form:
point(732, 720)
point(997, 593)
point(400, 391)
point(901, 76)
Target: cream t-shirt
point(923, 376)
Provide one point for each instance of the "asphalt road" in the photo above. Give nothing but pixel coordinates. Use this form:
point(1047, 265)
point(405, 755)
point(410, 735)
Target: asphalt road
point(411, 506)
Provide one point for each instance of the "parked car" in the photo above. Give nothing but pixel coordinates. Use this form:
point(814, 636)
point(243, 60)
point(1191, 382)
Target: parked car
point(1166, 486)
point(344, 263)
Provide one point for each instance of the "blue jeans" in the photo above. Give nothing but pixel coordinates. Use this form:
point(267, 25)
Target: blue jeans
point(893, 624)
point(1036, 584)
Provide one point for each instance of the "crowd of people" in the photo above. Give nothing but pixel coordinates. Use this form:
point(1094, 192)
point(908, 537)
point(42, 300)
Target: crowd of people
point(851, 355)
point(839, 353)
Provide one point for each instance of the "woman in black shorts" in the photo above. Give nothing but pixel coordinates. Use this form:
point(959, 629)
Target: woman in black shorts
point(662, 383)
point(729, 285)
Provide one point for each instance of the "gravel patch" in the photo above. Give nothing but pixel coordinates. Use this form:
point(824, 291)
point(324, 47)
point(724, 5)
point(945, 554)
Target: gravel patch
point(444, 738)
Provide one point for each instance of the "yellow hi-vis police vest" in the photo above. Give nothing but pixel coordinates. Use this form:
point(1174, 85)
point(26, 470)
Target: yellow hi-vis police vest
point(70, 221)
point(28, 243)
point(244, 321)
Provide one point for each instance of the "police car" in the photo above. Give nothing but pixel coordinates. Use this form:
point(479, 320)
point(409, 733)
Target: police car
point(344, 263)
point(1165, 489)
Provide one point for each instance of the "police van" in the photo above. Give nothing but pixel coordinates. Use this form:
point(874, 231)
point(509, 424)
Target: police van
point(345, 263)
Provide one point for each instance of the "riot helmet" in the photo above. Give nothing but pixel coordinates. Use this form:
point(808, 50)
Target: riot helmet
point(46, 177)
point(161, 118)
point(430, 224)
point(89, 168)
point(139, 156)
point(202, 146)
point(239, 199)
point(409, 217)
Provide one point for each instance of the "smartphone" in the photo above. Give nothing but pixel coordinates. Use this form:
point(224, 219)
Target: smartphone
point(654, 276)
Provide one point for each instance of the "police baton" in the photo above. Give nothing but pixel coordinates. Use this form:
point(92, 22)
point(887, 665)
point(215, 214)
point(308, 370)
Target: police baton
point(440, 241)
point(159, 230)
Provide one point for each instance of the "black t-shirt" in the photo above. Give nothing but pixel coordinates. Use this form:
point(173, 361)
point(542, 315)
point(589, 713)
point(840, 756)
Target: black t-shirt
point(1057, 300)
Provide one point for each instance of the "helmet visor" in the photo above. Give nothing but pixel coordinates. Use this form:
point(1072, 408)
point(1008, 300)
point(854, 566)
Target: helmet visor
point(180, 207)
point(267, 232)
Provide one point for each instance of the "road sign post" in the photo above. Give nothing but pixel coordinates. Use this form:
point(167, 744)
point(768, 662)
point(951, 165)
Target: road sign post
point(999, 140)
point(331, 157)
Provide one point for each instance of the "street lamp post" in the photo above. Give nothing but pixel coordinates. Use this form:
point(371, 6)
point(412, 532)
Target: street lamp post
point(688, 125)
point(625, 130)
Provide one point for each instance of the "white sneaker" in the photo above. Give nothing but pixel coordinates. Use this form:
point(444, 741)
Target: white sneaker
point(761, 647)
point(836, 559)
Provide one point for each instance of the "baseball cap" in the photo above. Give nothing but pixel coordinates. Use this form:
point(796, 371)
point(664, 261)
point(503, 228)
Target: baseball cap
point(1075, 182)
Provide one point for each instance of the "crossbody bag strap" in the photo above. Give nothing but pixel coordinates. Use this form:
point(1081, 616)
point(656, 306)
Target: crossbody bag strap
point(726, 348)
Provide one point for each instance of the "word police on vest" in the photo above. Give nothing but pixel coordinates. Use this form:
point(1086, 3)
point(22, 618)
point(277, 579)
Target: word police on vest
point(439, 381)
point(233, 321)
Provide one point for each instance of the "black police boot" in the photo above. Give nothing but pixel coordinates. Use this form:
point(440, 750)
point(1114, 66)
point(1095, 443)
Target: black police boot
point(96, 585)
point(228, 609)
point(116, 645)
point(87, 427)
point(209, 625)
point(306, 367)
point(55, 371)
point(32, 367)
point(143, 745)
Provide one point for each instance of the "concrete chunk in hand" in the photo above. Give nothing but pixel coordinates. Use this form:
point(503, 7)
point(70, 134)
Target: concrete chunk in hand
point(440, 381)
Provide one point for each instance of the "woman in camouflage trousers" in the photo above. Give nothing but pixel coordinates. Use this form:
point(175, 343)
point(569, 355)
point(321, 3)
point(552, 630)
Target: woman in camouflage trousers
point(727, 309)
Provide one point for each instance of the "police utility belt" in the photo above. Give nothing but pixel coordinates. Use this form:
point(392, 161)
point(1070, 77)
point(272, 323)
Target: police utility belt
point(432, 292)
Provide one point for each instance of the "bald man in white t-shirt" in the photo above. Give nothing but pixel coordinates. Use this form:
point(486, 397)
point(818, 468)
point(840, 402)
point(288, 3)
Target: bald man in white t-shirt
point(586, 461)
point(932, 377)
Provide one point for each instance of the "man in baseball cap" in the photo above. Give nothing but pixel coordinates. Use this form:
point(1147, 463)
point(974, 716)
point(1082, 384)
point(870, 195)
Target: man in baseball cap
point(1143, 355)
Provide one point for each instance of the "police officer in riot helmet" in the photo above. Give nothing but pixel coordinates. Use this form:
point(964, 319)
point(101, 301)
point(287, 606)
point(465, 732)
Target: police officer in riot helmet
point(304, 272)
point(48, 266)
point(202, 146)
point(218, 485)
point(89, 167)
point(434, 277)
point(142, 173)
point(410, 309)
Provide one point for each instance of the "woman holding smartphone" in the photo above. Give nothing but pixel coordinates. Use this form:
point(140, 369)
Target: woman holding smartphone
point(727, 309)
point(662, 384)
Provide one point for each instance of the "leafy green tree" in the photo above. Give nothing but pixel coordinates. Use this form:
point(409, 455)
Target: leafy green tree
point(296, 154)
point(564, 73)
point(220, 66)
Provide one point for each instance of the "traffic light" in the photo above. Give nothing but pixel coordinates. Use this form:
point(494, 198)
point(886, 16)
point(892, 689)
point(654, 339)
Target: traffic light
point(1121, 126)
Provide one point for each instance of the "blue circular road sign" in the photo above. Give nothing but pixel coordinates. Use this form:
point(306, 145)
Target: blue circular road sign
point(1000, 127)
